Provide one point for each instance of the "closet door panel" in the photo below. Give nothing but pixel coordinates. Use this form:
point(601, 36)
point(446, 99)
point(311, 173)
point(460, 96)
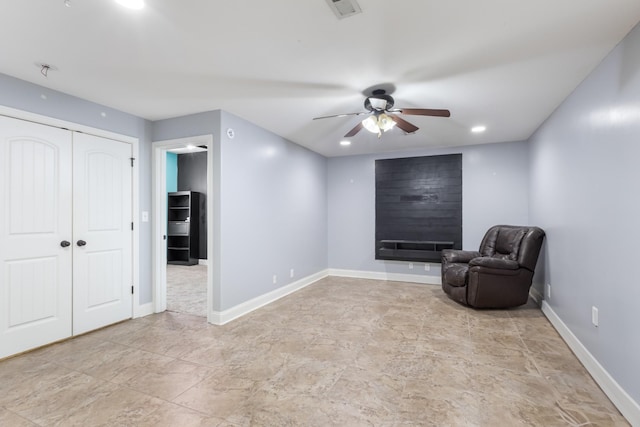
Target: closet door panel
point(35, 218)
point(102, 250)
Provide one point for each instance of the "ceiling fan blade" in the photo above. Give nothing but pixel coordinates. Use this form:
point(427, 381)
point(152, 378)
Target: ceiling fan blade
point(342, 115)
point(353, 131)
point(403, 124)
point(423, 112)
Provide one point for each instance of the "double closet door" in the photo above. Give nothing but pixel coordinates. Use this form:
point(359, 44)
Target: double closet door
point(65, 234)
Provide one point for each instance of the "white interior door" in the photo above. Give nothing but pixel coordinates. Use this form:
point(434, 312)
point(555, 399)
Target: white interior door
point(35, 221)
point(102, 246)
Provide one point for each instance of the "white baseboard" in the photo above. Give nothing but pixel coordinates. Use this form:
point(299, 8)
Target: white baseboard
point(226, 316)
point(142, 310)
point(381, 275)
point(629, 408)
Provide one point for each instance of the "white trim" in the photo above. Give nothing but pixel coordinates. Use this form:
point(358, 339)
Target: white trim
point(629, 408)
point(213, 194)
point(135, 181)
point(158, 228)
point(203, 261)
point(159, 215)
point(144, 310)
point(222, 317)
point(383, 275)
point(135, 258)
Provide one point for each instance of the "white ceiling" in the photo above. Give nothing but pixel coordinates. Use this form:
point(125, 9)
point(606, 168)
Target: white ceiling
point(506, 64)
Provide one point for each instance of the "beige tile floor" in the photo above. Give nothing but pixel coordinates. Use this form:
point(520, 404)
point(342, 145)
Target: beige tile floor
point(341, 352)
point(187, 289)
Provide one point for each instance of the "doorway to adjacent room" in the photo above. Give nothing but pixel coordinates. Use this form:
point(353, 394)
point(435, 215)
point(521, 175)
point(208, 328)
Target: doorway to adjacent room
point(182, 215)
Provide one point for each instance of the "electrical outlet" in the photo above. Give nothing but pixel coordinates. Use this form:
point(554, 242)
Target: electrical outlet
point(548, 290)
point(427, 267)
point(291, 273)
point(275, 279)
point(594, 315)
point(410, 266)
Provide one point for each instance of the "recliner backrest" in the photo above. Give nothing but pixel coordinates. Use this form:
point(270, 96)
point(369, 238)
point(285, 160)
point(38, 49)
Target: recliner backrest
point(521, 244)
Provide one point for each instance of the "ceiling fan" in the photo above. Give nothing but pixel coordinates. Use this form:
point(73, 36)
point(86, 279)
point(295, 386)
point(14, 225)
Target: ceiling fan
point(383, 117)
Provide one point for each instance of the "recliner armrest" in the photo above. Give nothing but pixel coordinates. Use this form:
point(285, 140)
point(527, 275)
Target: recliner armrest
point(458, 256)
point(498, 263)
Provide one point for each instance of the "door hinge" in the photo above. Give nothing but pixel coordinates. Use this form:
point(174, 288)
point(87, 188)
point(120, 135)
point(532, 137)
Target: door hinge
point(131, 226)
point(131, 289)
point(132, 159)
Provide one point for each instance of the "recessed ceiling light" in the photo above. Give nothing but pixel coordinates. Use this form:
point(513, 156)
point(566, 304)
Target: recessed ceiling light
point(131, 4)
point(345, 143)
point(478, 129)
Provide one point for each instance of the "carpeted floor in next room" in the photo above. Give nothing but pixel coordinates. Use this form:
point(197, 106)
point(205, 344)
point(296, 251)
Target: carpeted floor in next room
point(341, 352)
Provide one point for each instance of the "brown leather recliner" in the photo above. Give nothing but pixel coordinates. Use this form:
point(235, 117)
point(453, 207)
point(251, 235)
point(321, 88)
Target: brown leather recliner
point(499, 275)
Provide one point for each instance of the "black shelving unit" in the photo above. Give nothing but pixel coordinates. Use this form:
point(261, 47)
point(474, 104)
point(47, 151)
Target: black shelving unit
point(183, 227)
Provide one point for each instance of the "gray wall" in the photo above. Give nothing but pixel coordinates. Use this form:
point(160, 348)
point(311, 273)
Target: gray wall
point(494, 188)
point(26, 96)
point(274, 211)
point(584, 193)
point(270, 215)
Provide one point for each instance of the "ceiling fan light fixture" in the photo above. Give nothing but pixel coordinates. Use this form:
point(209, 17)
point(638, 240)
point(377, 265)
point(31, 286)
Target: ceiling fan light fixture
point(378, 103)
point(385, 122)
point(378, 123)
point(371, 124)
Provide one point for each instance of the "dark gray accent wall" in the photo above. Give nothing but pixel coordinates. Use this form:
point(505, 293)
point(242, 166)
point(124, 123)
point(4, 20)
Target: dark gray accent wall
point(418, 199)
point(494, 187)
point(192, 176)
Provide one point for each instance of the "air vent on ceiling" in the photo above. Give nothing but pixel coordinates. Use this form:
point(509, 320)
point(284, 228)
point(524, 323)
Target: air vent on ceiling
point(344, 8)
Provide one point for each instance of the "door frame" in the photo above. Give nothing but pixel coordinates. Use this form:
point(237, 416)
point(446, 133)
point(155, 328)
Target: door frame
point(159, 216)
point(137, 309)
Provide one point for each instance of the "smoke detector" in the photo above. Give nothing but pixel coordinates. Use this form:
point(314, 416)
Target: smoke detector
point(344, 8)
